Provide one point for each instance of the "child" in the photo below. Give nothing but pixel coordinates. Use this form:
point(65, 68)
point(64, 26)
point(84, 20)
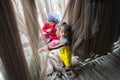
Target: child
point(49, 29)
point(64, 47)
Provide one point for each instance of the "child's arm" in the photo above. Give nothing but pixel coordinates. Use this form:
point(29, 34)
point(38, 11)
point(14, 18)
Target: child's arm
point(57, 46)
point(44, 28)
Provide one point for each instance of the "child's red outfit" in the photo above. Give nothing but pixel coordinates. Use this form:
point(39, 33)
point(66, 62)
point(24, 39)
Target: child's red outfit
point(52, 34)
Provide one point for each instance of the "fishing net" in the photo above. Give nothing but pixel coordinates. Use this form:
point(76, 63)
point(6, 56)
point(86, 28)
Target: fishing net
point(95, 26)
point(92, 25)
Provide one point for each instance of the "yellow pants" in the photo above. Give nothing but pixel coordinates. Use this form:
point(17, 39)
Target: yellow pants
point(65, 55)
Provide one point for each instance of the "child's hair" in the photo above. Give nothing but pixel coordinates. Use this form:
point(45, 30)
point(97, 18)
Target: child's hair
point(51, 19)
point(68, 28)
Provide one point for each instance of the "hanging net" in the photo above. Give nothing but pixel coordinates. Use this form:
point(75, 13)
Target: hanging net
point(95, 26)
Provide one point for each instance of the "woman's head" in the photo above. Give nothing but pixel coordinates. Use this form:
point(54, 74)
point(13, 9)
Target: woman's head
point(65, 30)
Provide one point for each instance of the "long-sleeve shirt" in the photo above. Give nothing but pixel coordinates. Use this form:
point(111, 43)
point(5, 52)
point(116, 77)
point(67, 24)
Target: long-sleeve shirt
point(52, 34)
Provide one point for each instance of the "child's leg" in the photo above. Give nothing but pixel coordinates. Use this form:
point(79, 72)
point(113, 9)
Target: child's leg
point(74, 72)
point(41, 37)
point(62, 64)
point(43, 48)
